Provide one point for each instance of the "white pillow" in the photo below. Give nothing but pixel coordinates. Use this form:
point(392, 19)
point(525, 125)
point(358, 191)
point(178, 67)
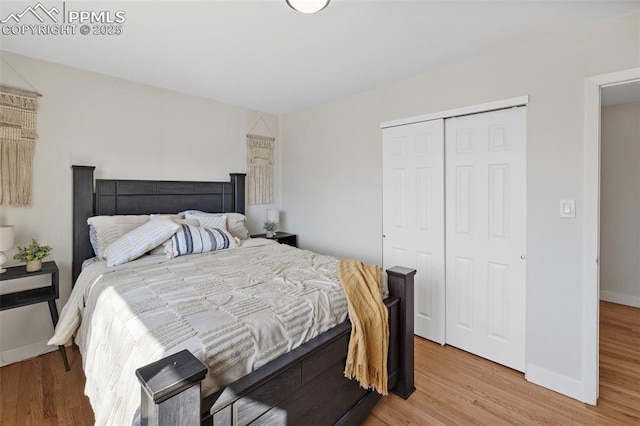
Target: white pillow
point(195, 239)
point(237, 225)
point(206, 221)
point(235, 222)
point(139, 241)
point(103, 230)
point(192, 222)
point(174, 217)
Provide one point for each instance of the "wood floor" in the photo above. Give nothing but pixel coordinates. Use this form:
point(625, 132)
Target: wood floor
point(39, 392)
point(453, 387)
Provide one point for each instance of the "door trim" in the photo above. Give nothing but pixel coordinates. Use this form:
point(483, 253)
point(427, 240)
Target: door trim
point(591, 228)
point(457, 112)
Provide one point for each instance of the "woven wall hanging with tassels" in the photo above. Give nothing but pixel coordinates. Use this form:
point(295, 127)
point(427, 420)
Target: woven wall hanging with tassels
point(18, 117)
point(260, 169)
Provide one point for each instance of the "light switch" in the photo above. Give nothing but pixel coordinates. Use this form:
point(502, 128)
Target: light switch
point(567, 208)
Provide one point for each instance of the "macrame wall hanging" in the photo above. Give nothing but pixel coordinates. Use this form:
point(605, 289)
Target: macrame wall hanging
point(18, 115)
point(260, 169)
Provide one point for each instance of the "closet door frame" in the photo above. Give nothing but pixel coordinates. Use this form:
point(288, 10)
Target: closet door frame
point(457, 112)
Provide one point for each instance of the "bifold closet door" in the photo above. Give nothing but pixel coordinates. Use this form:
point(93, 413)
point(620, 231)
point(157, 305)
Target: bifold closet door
point(485, 234)
point(413, 216)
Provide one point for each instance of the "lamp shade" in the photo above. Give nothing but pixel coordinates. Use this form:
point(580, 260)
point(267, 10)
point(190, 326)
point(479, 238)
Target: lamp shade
point(6, 237)
point(308, 6)
point(273, 215)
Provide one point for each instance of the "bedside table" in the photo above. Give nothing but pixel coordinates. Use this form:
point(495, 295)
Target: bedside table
point(282, 238)
point(47, 294)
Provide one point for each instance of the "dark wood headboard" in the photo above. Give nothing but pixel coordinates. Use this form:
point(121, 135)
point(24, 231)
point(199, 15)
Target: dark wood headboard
point(118, 197)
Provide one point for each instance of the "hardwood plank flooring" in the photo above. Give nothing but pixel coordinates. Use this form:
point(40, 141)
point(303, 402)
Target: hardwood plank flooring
point(453, 387)
point(39, 392)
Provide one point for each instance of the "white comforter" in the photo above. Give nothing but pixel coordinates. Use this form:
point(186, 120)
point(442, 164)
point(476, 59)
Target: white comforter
point(235, 310)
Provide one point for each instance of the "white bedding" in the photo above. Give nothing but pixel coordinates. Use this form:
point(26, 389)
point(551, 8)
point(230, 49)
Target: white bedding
point(235, 310)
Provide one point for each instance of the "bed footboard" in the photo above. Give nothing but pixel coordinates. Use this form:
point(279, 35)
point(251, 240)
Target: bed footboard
point(305, 385)
point(400, 280)
point(171, 389)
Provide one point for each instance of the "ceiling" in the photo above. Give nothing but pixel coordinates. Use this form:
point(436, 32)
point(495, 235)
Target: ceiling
point(265, 56)
point(625, 93)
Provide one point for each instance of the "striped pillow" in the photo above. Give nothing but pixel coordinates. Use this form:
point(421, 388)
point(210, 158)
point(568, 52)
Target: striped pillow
point(139, 241)
point(160, 248)
point(235, 223)
point(194, 239)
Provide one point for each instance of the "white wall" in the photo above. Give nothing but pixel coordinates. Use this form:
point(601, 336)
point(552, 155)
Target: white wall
point(620, 204)
point(126, 130)
point(332, 170)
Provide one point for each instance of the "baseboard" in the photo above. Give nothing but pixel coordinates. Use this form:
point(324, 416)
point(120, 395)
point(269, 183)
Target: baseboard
point(21, 353)
point(620, 298)
point(556, 382)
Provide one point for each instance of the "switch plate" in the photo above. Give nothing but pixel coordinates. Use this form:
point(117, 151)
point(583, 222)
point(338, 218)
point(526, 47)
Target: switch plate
point(567, 208)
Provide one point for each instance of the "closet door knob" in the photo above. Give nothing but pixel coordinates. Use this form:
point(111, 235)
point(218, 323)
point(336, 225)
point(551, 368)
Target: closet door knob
point(523, 257)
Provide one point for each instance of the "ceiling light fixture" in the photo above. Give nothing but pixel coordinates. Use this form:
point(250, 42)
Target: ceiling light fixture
point(308, 6)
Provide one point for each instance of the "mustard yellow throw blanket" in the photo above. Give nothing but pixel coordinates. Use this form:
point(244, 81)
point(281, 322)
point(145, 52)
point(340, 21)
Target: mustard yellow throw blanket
point(367, 357)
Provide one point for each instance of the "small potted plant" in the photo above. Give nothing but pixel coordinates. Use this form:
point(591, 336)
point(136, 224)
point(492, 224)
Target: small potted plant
point(33, 255)
point(270, 227)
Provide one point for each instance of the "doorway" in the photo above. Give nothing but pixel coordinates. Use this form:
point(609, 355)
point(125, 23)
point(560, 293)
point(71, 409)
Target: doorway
point(591, 228)
point(619, 246)
point(620, 194)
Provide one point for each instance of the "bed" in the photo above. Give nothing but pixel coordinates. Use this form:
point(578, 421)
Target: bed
point(305, 385)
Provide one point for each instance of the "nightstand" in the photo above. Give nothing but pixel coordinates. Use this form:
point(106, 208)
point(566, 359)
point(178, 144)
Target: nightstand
point(282, 238)
point(47, 294)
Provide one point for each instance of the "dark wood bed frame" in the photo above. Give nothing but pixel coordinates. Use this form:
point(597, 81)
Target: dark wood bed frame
point(304, 386)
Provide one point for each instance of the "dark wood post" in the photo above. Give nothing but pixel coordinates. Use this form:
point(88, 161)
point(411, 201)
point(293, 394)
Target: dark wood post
point(82, 210)
point(171, 390)
point(401, 283)
point(238, 181)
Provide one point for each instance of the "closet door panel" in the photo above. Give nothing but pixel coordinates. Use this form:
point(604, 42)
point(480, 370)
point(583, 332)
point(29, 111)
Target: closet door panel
point(485, 234)
point(413, 216)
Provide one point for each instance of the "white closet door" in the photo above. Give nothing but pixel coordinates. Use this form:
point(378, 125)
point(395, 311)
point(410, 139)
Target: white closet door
point(413, 216)
point(485, 234)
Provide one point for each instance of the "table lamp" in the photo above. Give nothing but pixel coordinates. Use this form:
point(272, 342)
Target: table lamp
point(6, 243)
